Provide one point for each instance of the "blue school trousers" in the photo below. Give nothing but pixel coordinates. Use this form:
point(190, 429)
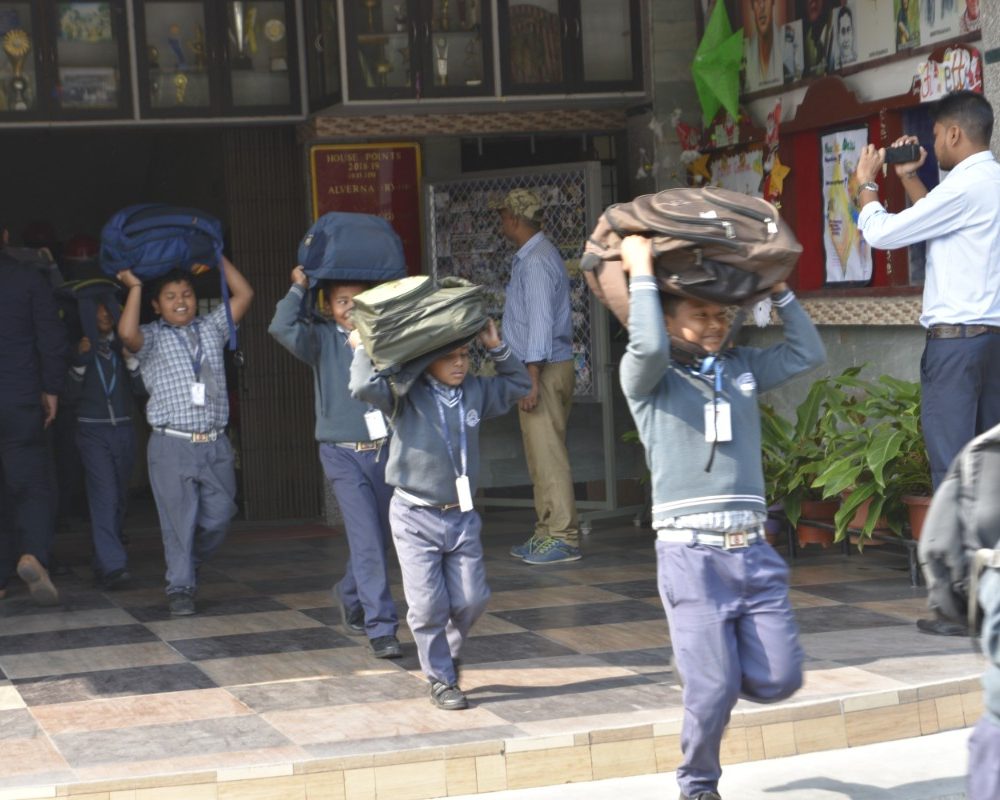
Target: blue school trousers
point(358, 483)
point(444, 580)
point(733, 635)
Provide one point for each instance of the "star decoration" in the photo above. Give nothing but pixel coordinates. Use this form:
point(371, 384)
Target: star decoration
point(778, 174)
point(699, 167)
point(716, 66)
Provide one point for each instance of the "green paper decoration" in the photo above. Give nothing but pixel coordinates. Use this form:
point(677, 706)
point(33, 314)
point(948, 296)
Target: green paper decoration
point(716, 66)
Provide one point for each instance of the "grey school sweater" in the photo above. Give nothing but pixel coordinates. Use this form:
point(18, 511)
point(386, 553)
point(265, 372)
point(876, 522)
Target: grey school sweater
point(339, 417)
point(668, 401)
point(419, 460)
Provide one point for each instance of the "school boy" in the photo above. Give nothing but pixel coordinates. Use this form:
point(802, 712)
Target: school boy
point(104, 378)
point(434, 465)
point(724, 589)
point(351, 437)
point(190, 459)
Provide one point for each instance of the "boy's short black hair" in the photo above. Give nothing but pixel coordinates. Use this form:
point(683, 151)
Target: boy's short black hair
point(176, 275)
point(970, 111)
point(670, 303)
point(328, 285)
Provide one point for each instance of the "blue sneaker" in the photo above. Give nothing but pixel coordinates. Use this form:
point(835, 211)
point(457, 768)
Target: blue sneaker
point(553, 551)
point(525, 548)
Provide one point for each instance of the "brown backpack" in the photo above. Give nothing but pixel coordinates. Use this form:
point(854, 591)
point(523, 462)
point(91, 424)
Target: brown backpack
point(708, 243)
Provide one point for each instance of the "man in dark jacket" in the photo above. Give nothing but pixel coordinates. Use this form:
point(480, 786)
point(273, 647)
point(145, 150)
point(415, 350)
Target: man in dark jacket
point(33, 363)
point(960, 559)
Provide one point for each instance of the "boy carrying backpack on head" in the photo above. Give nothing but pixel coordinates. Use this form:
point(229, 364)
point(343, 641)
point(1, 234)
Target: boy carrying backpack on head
point(351, 437)
point(190, 459)
point(434, 465)
point(724, 589)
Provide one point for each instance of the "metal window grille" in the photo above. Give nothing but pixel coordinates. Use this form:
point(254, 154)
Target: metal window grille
point(464, 240)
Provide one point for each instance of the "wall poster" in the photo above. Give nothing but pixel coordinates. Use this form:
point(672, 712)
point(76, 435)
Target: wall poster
point(380, 179)
point(848, 257)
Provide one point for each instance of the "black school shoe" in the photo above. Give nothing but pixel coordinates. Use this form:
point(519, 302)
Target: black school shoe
point(353, 621)
point(181, 604)
point(386, 647)
point(449, 698)
point(702, 796)
point(116, 579)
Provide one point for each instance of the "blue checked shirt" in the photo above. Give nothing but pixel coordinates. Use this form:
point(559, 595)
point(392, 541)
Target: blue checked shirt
point(537, 323)
point(167, 371)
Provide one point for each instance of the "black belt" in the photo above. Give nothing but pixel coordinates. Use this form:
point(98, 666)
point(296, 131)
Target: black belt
point(959, 331)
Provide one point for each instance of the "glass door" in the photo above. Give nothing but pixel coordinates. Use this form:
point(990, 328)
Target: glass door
point(382, 37)
point(533, 44)
point(261, 59)
point(18, 62)
point(91, 59)
point(610, 50)
point(176, 54)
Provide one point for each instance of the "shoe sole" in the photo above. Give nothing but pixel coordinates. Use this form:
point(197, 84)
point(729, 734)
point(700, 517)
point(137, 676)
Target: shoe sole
point(39, 585)
point(190, 613)
point(388, 653)
point(566, 560)
point(450, 706)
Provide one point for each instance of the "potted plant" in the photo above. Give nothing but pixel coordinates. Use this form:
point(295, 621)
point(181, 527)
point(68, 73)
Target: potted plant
point(876, 453)
point(793, 456)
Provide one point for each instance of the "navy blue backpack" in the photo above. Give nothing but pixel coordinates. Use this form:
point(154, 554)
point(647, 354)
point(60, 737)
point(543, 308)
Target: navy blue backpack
point(344, 246)
point(153, 238)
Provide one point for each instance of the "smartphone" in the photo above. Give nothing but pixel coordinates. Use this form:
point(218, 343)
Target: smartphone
point(903, 154)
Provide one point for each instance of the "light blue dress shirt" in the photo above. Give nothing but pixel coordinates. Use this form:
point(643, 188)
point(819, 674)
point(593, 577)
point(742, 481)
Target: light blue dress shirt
point(960, 221)
point(537, 323)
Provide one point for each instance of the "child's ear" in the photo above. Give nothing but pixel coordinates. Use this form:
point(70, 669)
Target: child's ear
point(156, 306)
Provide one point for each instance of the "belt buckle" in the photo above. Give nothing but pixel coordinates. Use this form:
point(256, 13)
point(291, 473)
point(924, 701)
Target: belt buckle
point(734, 540)
point(364, 447)
point(201, 438)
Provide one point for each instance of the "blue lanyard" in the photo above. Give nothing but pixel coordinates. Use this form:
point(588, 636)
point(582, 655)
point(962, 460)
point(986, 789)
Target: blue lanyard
point(713, 363)
point(462, 441)
point(197, 357)
point(104, 381)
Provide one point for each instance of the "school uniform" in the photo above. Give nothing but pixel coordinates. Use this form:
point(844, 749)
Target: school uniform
point(103, 382)
point(724, 589)
point(189, 456)
point(435, 444)
point(353, 462)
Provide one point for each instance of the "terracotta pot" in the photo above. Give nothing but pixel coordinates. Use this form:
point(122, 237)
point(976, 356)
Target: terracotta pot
point(916, 507)
point(811, 534)
point(861, 514)
point(819, 510)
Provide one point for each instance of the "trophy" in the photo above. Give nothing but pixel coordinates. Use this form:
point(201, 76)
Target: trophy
point(174, 40)
point(241, 24)
point(180, 87)
point(444, 15)
point(17, 44)
point(371, 5)
point(441, 60)
point(197, 45)
point(274, 32)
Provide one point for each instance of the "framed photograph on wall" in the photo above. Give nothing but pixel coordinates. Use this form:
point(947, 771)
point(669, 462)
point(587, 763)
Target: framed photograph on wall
point(88, 87)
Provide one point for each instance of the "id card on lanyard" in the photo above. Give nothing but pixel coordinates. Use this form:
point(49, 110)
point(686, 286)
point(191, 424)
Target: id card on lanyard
point(109, 388)
point(718, 412)
point(197, 359)
point(462, 486)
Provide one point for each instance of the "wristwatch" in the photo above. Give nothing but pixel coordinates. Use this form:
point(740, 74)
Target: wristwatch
point(870, 186)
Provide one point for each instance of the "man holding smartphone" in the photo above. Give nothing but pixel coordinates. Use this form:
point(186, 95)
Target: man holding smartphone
point(960, 221)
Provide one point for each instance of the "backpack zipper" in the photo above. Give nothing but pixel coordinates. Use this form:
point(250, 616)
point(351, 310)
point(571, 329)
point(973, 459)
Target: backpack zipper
point(767, 219)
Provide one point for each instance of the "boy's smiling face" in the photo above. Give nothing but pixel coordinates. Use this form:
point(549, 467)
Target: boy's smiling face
point(452, 368)
point(698, 322)
point(176, 303)
point(340, 299)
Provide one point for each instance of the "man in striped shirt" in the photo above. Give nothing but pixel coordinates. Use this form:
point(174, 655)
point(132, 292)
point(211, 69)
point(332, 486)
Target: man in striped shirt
point(537, 325)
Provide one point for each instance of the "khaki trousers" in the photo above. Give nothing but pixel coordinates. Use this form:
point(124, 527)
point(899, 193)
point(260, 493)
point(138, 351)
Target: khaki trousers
point(543, 432)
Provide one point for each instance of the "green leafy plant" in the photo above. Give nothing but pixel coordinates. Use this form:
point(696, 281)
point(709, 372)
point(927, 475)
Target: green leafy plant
point(874, 451)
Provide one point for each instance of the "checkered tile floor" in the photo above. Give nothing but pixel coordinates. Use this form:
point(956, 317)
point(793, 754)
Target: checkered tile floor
point(109, 686)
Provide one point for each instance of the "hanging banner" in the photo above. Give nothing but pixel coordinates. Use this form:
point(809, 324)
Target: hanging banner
point(379, 179)
point(848, 256)
point(962, 68)
point(740, 171)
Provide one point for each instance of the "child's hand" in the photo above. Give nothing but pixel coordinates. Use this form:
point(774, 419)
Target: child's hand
point(489, 335)
point(299, 277)
point(83, 346)
point(637, 255)
point(126, 277)
point(354, 339)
